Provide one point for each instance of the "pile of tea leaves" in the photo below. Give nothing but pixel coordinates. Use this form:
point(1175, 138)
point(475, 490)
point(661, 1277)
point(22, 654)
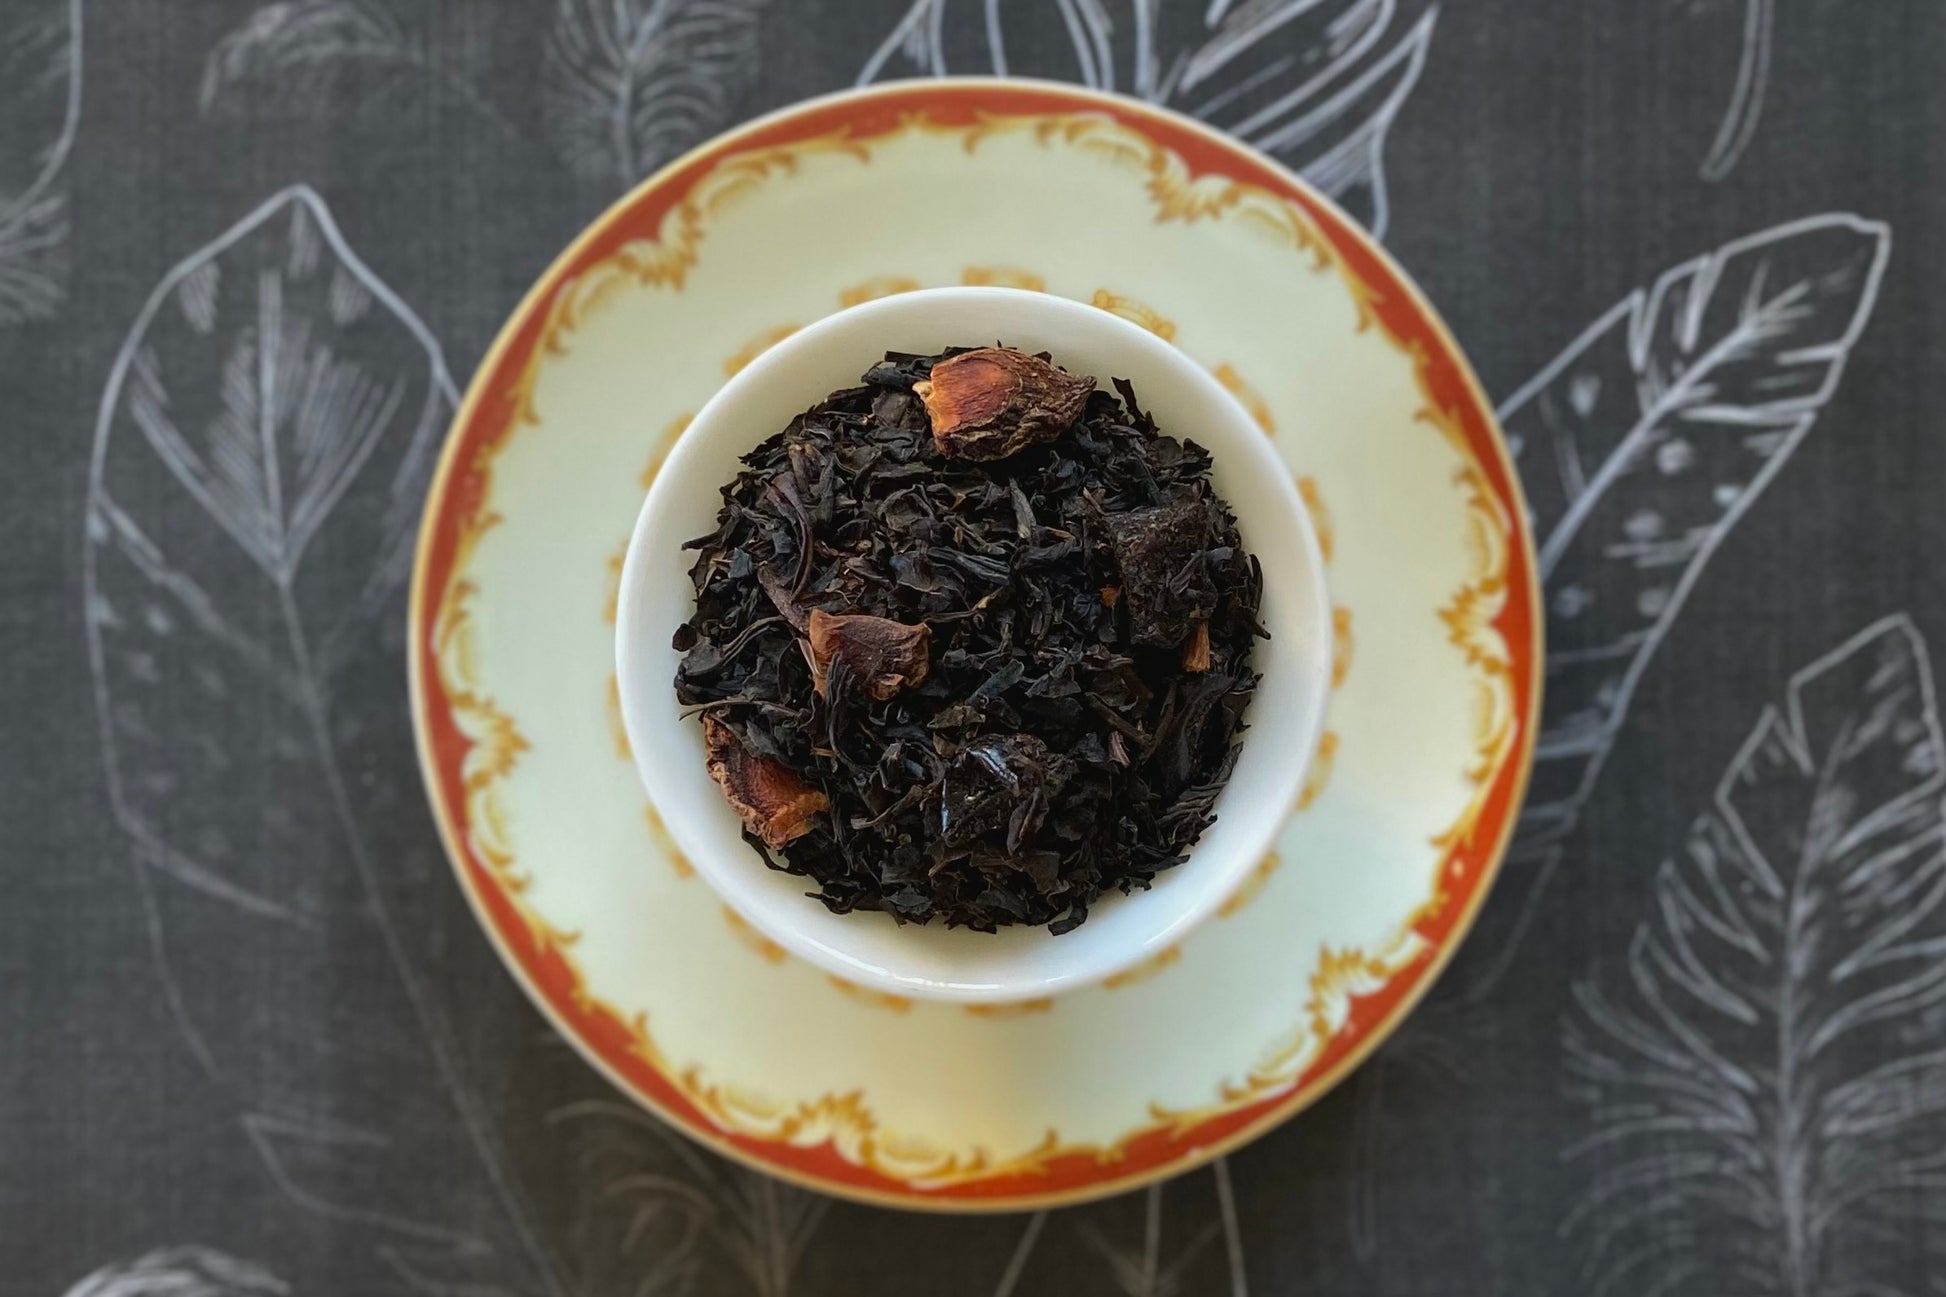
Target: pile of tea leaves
point(972, 643)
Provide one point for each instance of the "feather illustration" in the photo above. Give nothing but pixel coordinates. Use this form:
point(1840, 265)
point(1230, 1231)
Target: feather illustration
point(1644, 443)
point(40, 110)
point(1316, 83)
point(301, 53)
point(181, 1272)
point(1640, 448)
point(1030, 1235)
point(1138, 1257)
point(1432, 1052)
point(1746, 105)
point(1765, 1075)
point(1142, 1272)
point(260, 456)
point(301, 40)
point(629, 84)
point(669, 1217)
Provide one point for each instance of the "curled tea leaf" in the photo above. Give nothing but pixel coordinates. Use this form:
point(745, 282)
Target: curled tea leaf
point(993, 402)
point(778, 591)
point(772, 800)
point(885, 655)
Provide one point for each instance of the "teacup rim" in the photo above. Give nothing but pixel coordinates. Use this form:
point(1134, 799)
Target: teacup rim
point(726, 877)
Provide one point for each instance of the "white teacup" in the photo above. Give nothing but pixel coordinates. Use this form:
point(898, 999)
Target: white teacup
point(1284, 718)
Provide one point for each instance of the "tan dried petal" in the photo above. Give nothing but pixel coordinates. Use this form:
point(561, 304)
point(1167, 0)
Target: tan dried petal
point(885, 655)
point(1195, 650)
point(778, 806)
point(994, 402)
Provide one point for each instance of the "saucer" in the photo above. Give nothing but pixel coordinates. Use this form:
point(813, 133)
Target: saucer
point(1390, 846)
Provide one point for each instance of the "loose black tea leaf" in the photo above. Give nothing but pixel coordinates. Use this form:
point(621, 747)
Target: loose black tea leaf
point(885, 655)
point(972, 642)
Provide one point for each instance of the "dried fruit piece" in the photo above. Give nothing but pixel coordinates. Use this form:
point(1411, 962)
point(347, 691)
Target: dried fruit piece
point(1195, 650)
point(885, 655)
point(1156, 550)
point(1009, 781)
point(994, 402)
point(776, 805)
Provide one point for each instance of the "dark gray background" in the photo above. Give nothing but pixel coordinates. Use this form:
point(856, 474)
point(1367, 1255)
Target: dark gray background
point(1546, 164)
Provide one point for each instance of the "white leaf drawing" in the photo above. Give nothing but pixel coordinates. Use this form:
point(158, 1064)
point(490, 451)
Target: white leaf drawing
point(1030, 1234)
point(40, 110)
point(1139, 1267)
point(664, 1216)
point(1316, 83)
point(1765, 1074)
point(181, 1272)
point(629, 84)
point(259, 461)
point(299, 39)
point(300, 54)
point(1746, 104)
point(1640, 448)
point(1431, 1052)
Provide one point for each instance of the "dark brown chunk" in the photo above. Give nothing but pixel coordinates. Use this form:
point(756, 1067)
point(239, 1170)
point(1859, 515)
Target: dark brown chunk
point(1156, 551)
point(1006, 782)
point(995, 402)
point(885, 655)
point(773, 801)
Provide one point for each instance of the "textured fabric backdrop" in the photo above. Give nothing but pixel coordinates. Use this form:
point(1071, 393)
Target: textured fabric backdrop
point(1698, 1043)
